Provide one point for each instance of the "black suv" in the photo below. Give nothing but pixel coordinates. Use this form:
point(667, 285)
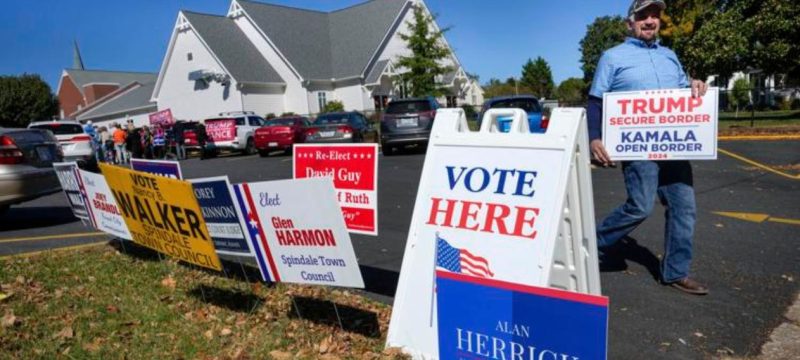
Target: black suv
point(406, 122)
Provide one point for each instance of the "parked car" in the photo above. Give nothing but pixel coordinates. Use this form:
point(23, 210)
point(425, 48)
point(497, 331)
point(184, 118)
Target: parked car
point(280, 134)
point(536, 120)
point(233, 131)
point(406, 122)
point(26, 165)
point(340, 127)
point(76, 144)
point(189, 135)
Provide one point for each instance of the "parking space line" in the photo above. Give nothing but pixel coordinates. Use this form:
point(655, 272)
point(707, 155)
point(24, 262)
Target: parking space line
point(61, 249)
point(50, 237)
point(242, 158)
point(759, 165)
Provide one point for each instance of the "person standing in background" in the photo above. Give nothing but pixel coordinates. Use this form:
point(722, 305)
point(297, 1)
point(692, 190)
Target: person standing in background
point(119, 144)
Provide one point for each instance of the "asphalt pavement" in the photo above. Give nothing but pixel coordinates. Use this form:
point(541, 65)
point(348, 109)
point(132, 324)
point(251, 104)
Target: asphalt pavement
point(749, 259)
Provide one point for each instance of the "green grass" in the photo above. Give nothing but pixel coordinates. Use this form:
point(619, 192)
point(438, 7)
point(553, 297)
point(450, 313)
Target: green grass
point(103, 304)
point(759, 123)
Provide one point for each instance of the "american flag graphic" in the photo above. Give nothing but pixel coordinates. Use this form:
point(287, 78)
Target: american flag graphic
point(460, 260)
point(254, 230)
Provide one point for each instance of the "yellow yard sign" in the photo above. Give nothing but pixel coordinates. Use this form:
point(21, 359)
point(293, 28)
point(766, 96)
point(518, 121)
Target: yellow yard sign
point(162, 214)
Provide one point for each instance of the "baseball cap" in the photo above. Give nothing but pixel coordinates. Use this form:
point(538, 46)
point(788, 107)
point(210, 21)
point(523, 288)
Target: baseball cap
point(639, 5)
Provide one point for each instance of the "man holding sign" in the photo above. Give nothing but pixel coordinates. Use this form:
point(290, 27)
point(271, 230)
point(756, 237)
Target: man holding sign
point(641, 63)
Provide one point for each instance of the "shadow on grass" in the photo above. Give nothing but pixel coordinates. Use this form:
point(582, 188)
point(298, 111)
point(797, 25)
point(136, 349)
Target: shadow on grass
point(232, 300)
point(233, 269)
point(324, 312)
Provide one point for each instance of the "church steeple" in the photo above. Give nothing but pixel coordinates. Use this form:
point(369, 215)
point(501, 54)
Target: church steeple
point(77, 62)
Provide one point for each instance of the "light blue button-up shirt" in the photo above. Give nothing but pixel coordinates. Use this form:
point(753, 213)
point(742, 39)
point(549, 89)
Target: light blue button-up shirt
point(635, 65)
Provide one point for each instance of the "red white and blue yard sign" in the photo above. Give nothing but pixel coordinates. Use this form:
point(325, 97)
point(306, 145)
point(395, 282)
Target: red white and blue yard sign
point(217, 203)
point(354, 170)
point(103, 207)
point(660, 125)
point(490, 206)
point(481, 318)
point(293, 244)
point(166, 168)
point(70, 182)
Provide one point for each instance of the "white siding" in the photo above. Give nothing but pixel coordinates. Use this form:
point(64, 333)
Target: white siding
point(294, 95)
point(186, 98)
point(351, 96)
point(263, 101)
point(139, 120)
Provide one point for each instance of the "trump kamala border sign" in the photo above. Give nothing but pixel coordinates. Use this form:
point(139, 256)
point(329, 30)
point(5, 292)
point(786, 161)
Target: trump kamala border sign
point(660, 125)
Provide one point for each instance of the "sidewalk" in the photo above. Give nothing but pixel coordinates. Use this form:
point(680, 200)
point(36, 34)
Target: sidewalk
point(784, 342)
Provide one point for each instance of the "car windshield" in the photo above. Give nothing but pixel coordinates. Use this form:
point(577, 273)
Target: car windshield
point(280, 122)
point(407, 107)
point(60, 129)
point(529, 105)
point(332, 119)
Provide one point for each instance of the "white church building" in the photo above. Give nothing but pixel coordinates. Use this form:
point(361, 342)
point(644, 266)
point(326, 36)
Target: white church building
point(275, 59)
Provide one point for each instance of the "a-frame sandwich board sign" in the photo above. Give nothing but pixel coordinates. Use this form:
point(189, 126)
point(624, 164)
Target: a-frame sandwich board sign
point(514, 207)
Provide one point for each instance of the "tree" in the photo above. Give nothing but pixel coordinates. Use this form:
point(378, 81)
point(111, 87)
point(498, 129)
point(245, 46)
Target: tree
point(775, 33)
point(510, 87)
point(424, 64)
point(740, 94)
point(680, 20)
point(604, 33)
point(333, 106)
point(572, 91)
point(537, 76)
point(24, 99)
point(719, 46)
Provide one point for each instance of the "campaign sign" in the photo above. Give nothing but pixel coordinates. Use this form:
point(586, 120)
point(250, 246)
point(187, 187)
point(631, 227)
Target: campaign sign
point(221, 215)
point(103, 207)
point(162, 214)
point(68, 177)
point(486, 319)
point(354, 169)
point(292, 243)
point(163, 118)
point(170, 169)
point(660, 125)
point(221, 130)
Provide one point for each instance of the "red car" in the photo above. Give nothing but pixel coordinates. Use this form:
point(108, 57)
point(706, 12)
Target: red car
point(280, 134)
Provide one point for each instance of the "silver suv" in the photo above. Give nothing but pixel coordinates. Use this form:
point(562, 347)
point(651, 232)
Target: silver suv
point(233, 131)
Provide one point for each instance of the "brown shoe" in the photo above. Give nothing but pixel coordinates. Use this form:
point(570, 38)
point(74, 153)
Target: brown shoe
point(690, 286)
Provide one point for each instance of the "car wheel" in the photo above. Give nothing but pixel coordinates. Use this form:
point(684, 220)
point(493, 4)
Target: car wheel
point(288, 150)
point(250, 149)
point(263, 152)
point(4, 208)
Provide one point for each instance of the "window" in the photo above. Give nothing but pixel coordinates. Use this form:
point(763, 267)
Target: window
point(255, 121)
point(322, 100)
point(452, 101)
point(189, 56)
point(380, 101)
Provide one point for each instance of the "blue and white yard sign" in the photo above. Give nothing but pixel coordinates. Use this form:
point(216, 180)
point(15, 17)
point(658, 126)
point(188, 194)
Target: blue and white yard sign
point(487, 319)
point(221, 215)
point(170, 169)
point(665, 124)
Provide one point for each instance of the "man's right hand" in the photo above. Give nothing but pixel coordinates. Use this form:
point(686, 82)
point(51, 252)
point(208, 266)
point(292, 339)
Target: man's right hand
point(599, 153)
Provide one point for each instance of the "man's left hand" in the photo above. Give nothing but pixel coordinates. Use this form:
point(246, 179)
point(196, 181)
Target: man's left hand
point(699, 88)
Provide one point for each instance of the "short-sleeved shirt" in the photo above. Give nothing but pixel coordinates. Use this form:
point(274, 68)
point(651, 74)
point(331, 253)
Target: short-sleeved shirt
point(119, 136)
point(635, 65)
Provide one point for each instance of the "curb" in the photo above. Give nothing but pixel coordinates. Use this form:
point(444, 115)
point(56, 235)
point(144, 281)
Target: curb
point(757, 137)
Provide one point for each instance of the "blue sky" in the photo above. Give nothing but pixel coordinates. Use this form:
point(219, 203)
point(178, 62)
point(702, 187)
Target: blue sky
point(492, 38)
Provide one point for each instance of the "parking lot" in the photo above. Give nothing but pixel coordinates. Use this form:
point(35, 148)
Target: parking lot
point(749, 258)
